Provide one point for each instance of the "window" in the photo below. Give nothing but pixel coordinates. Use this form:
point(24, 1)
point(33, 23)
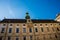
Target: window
point(59, 23)
point(29, 20)
point(17, 24)
point(24, 37)
point(17, 38)
point(10, 30)
point(0, 38)
point(10, 24)
point(17, 30)
point(23, 24)
point(24, 30)
point(9, 38)
point(30, 37)
point(30, 30)
point(40, 24)
point(58, 29)
point(3, 29)
point(55, 36)
point(36, 30)
point(35, 24)
point(4, 24)
point(50, 36)
point(46, 24)
point(53, 29)
point(41, 29)
point(47, 29)
point(51, 24)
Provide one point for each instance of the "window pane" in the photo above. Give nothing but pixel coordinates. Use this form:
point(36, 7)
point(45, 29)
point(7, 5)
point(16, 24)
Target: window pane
point(10, 24)
point(53, 29)
point(17, 38)
point(17, 30)
point(47, 29)
point(40, 24)
point(4, 24)
point(2, 31)
point(24, 30)
point(41, 29)
point(58, 29)
point(10, 30)
point(24, 37)
point(9, 38)
point(30, 37)
point(55, 36)
point(30, 30)
point(17, 24)
point(0, 38)
point(36, 30)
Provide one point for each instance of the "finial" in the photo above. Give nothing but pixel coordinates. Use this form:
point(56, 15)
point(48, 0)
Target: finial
point(27, 15)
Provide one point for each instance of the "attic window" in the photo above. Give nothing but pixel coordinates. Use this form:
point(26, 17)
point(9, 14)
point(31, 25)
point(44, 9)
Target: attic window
point(35, 25)
point(23, 24)
point(40, 24)
point(59, 23)
point(46, 24)
point(51, 24)
point(10, 24)
point(17, 24)
point(4, 24)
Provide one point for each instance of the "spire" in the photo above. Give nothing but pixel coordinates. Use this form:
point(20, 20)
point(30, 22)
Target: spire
point(27, 16)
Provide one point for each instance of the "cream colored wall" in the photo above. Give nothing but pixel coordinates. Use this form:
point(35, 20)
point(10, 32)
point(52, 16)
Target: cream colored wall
point(40, 35)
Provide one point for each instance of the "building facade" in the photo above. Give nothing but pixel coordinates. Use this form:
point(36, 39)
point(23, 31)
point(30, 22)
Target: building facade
point(29, 29)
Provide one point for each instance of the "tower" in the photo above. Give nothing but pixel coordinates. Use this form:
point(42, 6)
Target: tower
point(29, 21)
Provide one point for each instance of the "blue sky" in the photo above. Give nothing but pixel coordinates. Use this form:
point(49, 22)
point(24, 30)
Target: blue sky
point(37, 9)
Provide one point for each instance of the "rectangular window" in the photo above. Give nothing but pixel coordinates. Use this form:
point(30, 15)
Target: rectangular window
point(17, 38)
point(24, 30)
point(9, 38)
point(58, 29)
point(41, 29)
point(3, 29)
point(30, 30)
point(36, 30)
point(17, 30)
point(55, 36)
point(10, 30)
point(30, 37)
point(53, 29)
point(47, 29)
point(24, 37)
point(0, 38)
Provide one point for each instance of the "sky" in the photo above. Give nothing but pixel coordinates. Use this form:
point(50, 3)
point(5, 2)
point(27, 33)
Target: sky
point(37, 9)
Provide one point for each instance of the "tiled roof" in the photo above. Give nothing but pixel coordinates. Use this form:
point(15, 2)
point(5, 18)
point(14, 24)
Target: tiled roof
point(24, 21)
